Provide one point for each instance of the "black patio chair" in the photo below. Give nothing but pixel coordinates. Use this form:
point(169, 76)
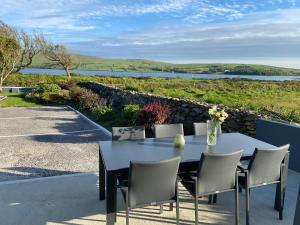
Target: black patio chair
point(168, 130)
point(265, 167)
point(217, 173)
point(151, 183)
point(128, 133)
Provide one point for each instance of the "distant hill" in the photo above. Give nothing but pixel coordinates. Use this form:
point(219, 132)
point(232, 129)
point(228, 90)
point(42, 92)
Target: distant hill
point(141, 65)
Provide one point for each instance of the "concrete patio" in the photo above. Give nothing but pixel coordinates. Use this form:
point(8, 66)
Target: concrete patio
point(73, 199)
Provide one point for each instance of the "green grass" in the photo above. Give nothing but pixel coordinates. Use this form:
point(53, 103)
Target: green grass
point(15, 100)
point(282, 97)
point(140, 65)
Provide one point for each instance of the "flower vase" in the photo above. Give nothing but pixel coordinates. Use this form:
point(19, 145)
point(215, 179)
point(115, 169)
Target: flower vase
point(212, 127)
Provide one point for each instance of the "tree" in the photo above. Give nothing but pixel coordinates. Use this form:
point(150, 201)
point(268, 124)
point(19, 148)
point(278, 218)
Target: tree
point(30, 48)
point(59, 55)
point(9, 51)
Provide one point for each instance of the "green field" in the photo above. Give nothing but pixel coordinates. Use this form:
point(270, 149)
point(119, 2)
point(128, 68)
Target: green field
point(139, 65)
point(15, 100)
point(281, 97)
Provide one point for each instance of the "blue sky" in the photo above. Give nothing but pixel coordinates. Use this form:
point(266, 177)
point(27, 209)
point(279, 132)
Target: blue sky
point(181, 31)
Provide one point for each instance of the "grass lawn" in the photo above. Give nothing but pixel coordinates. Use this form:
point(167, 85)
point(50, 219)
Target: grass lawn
point(15, 100)
point(279, 96)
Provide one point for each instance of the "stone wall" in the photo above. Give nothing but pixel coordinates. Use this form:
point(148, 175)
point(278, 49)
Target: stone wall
point(183, 111)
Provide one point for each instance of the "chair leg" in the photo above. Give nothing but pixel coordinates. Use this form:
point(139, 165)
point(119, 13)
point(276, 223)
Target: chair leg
point(177, 211)
point(196, 210)
point(247, 190)
point(237, 206)
point(215, 198)
point(210, 199)
point(161, 209)
point(171, 206)
point(281, 201)
point(127, 216)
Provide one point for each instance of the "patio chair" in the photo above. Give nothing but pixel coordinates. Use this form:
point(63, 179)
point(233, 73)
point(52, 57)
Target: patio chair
point(128, 133)
point(168, 130)
point(265, 167)
point(217, 173)
point(151, 183)
point(201, 129)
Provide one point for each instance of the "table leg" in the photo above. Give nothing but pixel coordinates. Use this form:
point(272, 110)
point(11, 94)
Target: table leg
point(111, 198)
point(101, 178)
point(285, 176)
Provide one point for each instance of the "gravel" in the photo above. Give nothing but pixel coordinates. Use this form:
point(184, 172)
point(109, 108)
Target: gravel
point(46, 141)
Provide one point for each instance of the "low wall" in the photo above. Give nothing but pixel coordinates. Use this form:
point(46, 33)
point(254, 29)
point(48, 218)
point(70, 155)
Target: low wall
point(183, 111)
point(17, 89)
point(279, 133)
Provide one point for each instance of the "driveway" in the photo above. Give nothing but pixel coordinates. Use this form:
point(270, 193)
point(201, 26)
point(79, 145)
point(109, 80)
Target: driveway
point(47, 141)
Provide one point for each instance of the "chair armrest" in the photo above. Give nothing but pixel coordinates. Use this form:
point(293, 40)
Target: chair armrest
point(195, 178)
point(242, 169)
point(125, 189)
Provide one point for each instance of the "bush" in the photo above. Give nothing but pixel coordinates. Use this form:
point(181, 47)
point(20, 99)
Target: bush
point(69, 84)
point(87, 99)
point(130, 114)
point(154, 113)
point(103, 113)
point(51, 88)
point(46, 93)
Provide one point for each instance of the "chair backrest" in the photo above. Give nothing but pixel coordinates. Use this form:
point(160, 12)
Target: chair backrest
point(201, 129)
point(265, 165)
point(217, 172)
point(152, 182)
point(128, 133)
point(168, 130)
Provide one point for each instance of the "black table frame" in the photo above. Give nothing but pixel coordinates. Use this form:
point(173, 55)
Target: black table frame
point(108, 184)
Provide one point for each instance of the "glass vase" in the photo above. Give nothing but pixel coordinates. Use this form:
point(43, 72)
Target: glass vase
point(212, 127)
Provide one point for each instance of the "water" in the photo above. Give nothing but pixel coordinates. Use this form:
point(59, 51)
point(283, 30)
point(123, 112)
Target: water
point(158, 74)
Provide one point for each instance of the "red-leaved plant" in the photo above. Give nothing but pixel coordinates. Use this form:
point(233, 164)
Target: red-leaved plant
point(154, 113)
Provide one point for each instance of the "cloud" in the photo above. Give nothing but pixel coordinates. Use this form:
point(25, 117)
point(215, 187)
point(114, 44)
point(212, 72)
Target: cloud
point(168, 30)
point(262, 39)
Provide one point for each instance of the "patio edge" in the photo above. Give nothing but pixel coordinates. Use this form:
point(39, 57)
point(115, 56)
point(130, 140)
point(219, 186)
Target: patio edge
point(107, 132)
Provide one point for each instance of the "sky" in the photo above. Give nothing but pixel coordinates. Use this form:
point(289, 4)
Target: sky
point(179, 31)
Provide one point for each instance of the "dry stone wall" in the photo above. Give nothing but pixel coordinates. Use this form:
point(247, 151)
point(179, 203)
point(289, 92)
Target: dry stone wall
point(183, 111)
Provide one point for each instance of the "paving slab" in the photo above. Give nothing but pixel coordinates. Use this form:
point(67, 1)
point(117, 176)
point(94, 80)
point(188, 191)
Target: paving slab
point(73, 199)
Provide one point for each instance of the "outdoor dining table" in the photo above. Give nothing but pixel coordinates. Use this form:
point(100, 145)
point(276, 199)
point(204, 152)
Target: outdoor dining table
point(115, 157)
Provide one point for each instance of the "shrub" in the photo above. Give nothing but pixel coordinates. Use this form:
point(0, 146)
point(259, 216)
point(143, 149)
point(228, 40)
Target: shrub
point(154, 113)
point(46, 93)
point(130, 114)
point(69, 84)
point(50, 97)
point(87, 99)
point(52, 88)
point(103, 113)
